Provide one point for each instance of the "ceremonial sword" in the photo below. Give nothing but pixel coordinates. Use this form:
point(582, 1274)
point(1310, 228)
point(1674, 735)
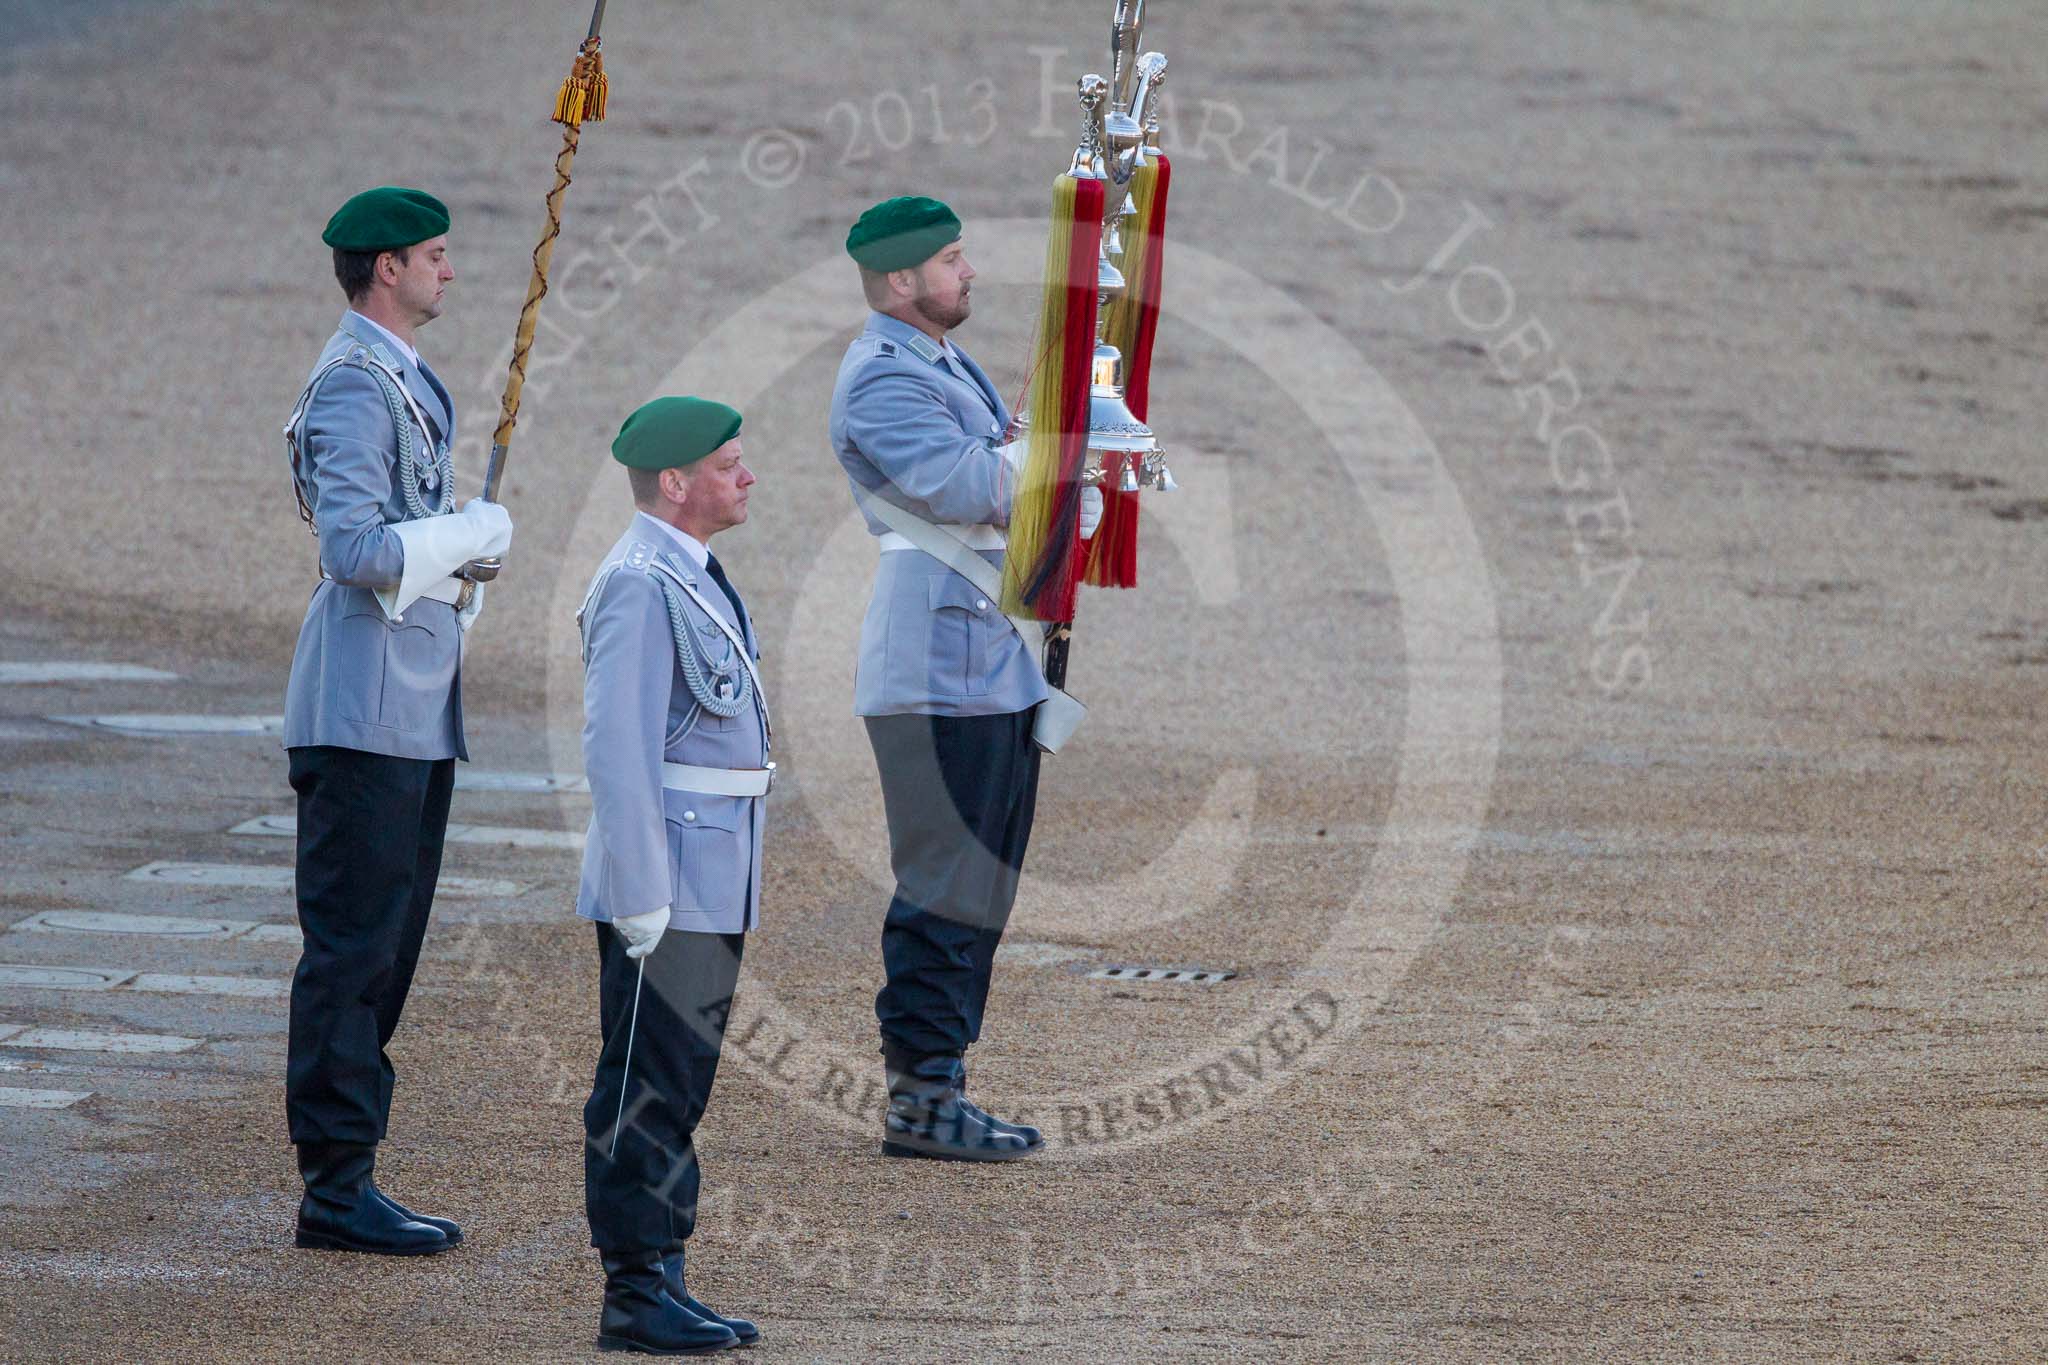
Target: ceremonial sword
point(626, 1072)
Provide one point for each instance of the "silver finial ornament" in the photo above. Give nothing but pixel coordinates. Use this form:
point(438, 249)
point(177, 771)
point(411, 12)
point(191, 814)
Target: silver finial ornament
point(1119, 124)
point(1091, 90)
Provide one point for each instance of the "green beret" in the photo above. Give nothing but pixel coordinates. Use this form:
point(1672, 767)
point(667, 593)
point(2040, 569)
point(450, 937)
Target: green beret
point(386, 219)
point(668, 432)
point(899, 233)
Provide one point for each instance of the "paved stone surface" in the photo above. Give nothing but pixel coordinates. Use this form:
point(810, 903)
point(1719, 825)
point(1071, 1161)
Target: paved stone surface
point(508, 836)
point(99, 1040)
point(79, 671)
point(280, 878)
point(16, 1097)
point(178, 726)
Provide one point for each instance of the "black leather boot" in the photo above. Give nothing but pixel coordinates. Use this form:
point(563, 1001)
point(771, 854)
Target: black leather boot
point(929, 1118)
point(341, 1213)
point(1032, 1137)
point(672, 1281)
point(639, 1314)
point(447, 1226)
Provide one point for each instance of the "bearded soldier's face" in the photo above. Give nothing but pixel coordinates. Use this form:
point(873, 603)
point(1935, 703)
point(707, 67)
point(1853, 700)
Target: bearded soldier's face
point(942, 287)
point(423, 278)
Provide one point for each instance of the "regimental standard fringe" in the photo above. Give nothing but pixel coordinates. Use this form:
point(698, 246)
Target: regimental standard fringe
point(1129, 324)
point(1045, 556)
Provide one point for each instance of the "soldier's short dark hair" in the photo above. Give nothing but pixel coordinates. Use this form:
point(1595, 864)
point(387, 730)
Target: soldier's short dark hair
point(354, 270)
point(875, 285)
point(646, 484)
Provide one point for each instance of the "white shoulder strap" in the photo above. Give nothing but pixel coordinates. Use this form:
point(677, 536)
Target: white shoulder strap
point(1061, 713)
point(949, 550)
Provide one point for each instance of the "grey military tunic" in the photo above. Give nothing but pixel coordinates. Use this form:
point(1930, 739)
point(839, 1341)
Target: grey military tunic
point(358, 679)
point(919, 424)
point(651, 845)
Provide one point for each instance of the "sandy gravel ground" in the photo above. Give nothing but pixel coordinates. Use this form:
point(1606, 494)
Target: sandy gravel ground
point(1587, 691)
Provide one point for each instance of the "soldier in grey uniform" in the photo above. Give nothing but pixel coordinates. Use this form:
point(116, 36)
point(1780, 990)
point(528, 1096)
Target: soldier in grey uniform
point(373, 710)
point(946, 685)
point(675, 740)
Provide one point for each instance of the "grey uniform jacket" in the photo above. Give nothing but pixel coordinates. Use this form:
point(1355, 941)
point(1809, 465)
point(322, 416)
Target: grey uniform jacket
point(651, 845)
point(919, 426)
point(360, 681)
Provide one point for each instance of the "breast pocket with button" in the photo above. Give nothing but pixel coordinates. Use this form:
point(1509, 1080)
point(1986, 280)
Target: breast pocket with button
point(401, 671)
point(710, 850)
point(962, 626)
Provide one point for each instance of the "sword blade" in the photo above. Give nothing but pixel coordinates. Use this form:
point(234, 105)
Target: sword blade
point(626, 1072)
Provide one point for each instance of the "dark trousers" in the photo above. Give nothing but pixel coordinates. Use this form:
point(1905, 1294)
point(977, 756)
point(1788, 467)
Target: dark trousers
point(644, 1198)
point(959, 793)
point(369, 853)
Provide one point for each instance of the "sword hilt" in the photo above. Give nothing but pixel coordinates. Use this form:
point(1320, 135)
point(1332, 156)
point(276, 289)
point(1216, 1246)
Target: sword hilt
point(484, 570)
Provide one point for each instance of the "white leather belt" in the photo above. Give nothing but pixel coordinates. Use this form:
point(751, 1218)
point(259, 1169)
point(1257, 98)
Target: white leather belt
point(684, 777)
point(977, 537)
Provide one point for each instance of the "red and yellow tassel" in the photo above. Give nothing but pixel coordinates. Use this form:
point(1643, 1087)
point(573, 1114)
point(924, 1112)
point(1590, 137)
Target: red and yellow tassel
point(1129, 324)
point(1042, 569)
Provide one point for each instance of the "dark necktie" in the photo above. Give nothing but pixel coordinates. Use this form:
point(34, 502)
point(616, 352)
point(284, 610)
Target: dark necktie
point(717, 572)
point(958, 365)
point(440, 395)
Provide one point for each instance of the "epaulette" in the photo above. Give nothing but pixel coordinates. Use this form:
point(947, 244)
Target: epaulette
point(361, 356)
point(885, 348)
point(638, 555)
point(672, 564)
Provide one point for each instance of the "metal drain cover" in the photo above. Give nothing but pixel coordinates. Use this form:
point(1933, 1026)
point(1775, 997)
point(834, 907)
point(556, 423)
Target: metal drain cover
point(1191, 975)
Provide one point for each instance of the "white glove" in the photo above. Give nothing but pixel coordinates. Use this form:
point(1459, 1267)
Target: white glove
point(1091, 510)
point(1009, 475)
point(467, 616)
point(493, 524)
point(437, 546)
point(642, 932)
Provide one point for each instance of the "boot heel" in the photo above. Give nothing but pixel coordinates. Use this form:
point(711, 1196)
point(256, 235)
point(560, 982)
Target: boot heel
point(951, 1152)
point(626, 1344)
point(324, 1241)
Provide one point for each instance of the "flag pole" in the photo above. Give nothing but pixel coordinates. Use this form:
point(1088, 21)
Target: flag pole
point(582, 97)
